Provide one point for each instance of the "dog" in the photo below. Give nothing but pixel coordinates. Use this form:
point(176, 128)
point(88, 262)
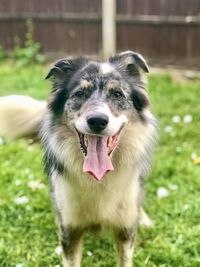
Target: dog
point(98, 135)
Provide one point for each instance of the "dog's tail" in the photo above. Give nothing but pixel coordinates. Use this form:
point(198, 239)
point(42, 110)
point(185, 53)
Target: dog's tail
point(20, 116)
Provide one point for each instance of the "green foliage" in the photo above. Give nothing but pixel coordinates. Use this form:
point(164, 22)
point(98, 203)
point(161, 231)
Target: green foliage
point(28, 233)
point(30, 52)
point(2, 53)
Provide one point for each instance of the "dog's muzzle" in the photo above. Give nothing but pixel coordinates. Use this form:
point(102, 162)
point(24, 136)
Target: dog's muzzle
point(97, 145)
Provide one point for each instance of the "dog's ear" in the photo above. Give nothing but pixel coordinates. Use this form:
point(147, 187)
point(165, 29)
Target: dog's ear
point(133, 64)
point(65, 68)
point(59, 69)
point(61, 73)
point(131, 61)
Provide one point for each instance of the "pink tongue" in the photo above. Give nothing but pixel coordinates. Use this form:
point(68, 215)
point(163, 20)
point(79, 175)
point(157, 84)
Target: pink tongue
point(97, 162)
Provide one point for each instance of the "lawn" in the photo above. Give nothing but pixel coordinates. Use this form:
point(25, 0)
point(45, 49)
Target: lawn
point(28, 233)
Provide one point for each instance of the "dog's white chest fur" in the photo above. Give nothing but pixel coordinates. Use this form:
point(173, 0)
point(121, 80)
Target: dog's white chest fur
point(112, 202)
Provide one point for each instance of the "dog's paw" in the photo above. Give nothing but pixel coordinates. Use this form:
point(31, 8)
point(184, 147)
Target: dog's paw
point(144, 219)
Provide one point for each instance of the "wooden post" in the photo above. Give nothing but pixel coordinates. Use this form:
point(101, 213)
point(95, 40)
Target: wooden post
point(108, 27)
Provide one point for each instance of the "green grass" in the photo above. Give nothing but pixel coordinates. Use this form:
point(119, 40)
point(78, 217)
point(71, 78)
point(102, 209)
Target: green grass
point(28, 233)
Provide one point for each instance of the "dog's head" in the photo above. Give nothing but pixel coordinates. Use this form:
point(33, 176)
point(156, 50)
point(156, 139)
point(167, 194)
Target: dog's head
point(96, 100)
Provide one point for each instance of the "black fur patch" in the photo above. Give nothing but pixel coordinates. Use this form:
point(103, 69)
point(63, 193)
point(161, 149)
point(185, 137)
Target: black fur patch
point(58, 99)
point(140, 100)
point(70, 238)
point(127, 234)
point(61, 74)
point(52, 164)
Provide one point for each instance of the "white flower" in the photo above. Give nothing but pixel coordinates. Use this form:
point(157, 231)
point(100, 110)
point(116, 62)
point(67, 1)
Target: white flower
point(162, 192)
point(193, 156)
point(187, 119)
point(186, 207)
point(35, 185)
point(30, 148)
point(173, 187)
point(57, 265)
point(21, 200)
point(1, 141)
point(19, 265)
point(58, 250)
point(168, 129)
point(89, 253)
point(176, 119)
point(18, 182)
point(27, 171)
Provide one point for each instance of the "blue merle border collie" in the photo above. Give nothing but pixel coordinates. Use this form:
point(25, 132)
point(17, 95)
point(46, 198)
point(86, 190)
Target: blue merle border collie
point(98, 134)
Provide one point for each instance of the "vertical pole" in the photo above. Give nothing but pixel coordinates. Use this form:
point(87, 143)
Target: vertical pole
point(108, 27)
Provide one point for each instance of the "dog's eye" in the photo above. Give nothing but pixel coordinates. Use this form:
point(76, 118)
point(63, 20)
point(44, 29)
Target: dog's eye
point(78, 94)
point(117, 94)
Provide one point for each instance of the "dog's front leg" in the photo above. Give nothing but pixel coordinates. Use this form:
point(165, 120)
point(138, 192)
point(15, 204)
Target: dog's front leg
point(71, 241)
point(125, 246)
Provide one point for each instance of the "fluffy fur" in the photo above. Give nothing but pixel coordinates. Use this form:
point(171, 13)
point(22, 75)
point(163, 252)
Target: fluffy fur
point(20, 116)
point(91, 100)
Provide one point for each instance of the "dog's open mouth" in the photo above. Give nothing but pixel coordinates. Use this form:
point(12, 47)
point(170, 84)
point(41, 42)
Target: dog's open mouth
point(97, 151)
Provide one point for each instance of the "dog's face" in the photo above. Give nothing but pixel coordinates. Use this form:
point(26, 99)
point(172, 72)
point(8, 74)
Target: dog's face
point(97, 100)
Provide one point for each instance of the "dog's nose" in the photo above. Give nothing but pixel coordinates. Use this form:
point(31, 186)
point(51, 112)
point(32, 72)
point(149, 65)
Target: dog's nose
point(97, 122)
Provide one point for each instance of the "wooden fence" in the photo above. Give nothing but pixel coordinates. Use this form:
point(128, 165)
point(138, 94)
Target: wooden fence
point(167, 30)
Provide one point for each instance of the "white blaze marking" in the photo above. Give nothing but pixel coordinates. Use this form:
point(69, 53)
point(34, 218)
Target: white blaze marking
point(106, 68)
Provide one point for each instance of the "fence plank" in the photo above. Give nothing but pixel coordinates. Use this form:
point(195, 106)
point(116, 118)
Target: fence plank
point(160, 29)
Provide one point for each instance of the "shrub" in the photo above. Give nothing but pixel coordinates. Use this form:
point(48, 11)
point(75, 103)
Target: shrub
point(2, 53)
point(30, 52)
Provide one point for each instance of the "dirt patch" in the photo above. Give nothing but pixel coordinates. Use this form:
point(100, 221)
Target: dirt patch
point(179, 75)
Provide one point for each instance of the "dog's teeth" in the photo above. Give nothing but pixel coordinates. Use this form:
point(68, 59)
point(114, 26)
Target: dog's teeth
point(86, 140)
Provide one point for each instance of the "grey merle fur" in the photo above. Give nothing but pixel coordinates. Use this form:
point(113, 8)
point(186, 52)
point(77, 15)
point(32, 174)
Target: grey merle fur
point(66, 99)
point(66, 75)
